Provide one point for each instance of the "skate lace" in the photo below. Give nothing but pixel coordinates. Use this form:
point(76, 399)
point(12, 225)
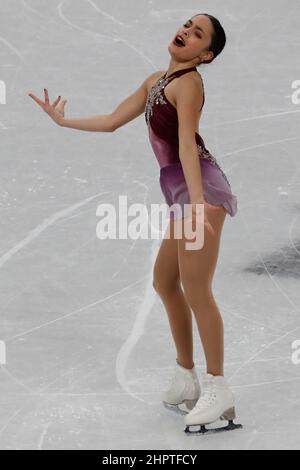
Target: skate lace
point(208, 398)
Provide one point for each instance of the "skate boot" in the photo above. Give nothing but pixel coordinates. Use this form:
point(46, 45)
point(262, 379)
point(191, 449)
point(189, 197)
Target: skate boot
point(184, 390)
point(216, 402)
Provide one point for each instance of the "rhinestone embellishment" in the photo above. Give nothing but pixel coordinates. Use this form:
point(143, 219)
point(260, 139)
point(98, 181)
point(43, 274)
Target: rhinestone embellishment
point(155, 96)
point(204, 153)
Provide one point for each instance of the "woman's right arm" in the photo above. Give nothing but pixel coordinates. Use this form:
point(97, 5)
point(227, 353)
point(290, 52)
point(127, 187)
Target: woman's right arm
point(126, 111)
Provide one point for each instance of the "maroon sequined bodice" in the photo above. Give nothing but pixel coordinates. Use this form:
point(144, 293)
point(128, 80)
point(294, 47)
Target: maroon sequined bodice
point(162, 121)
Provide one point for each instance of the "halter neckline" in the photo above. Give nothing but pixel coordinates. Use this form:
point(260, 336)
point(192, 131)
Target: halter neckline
point(180, 71)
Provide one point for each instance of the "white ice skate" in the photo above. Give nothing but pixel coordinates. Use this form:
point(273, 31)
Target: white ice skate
point(216, 402)
point(184, 390)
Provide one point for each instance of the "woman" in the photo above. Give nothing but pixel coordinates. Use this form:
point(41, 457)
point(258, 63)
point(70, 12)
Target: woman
point(189, 174)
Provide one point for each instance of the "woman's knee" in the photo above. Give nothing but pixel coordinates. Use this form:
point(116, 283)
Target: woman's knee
point(197, 293)
point(165, 286)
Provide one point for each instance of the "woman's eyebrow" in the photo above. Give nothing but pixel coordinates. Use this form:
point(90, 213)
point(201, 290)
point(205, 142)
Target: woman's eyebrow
point(198, 27)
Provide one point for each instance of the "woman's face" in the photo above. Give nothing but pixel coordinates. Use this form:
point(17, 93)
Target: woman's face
point(196, 33)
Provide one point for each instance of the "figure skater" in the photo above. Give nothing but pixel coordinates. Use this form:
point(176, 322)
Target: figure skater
point(189, 174)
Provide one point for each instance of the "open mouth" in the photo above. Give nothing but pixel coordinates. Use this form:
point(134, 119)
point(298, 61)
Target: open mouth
point(178, 41)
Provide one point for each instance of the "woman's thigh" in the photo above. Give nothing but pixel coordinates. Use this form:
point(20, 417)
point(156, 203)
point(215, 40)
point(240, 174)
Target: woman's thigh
point(166, 269)
point(198, 266)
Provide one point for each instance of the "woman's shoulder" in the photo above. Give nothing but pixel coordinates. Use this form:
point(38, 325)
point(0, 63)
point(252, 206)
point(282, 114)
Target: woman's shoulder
point(152, 79)
point(191, 77)
point(159, 73)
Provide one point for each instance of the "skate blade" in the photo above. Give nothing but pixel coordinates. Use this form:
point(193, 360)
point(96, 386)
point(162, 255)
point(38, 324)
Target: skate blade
point(175, 408)
point(231, 426)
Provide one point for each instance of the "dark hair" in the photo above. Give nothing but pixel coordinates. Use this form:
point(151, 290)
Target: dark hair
point(218, 39)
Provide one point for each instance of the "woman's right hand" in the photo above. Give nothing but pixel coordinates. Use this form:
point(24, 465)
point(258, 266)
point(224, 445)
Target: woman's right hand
point(55, 111)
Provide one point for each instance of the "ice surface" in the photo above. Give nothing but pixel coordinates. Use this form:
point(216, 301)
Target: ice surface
point(88, 344)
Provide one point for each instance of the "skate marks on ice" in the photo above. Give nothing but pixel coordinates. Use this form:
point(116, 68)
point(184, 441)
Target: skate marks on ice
point(104, 37)
point(34, 233)
point(137, 332)
point(145, 309)
point(283, 263)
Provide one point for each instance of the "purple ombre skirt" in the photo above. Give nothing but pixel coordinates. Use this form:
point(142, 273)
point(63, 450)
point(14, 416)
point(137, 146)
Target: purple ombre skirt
point(216, 188)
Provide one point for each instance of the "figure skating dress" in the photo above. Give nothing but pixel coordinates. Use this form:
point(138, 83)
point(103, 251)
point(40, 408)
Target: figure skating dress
point(162, 121)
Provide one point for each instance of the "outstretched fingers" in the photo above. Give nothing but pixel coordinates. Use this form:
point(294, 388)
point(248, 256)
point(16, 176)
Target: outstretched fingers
point(46, 96)
point(46, 104)
point(61, 106)
point(36, 99)
point(56, 101)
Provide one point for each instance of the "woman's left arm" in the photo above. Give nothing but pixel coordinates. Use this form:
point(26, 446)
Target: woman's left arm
point(189, 98)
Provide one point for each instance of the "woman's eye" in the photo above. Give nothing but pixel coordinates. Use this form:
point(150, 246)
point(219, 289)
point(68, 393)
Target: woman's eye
point(198, 35)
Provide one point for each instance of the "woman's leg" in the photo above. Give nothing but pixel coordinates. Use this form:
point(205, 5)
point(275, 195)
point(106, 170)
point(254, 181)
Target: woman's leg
point(196, 271)
point(166, 282)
